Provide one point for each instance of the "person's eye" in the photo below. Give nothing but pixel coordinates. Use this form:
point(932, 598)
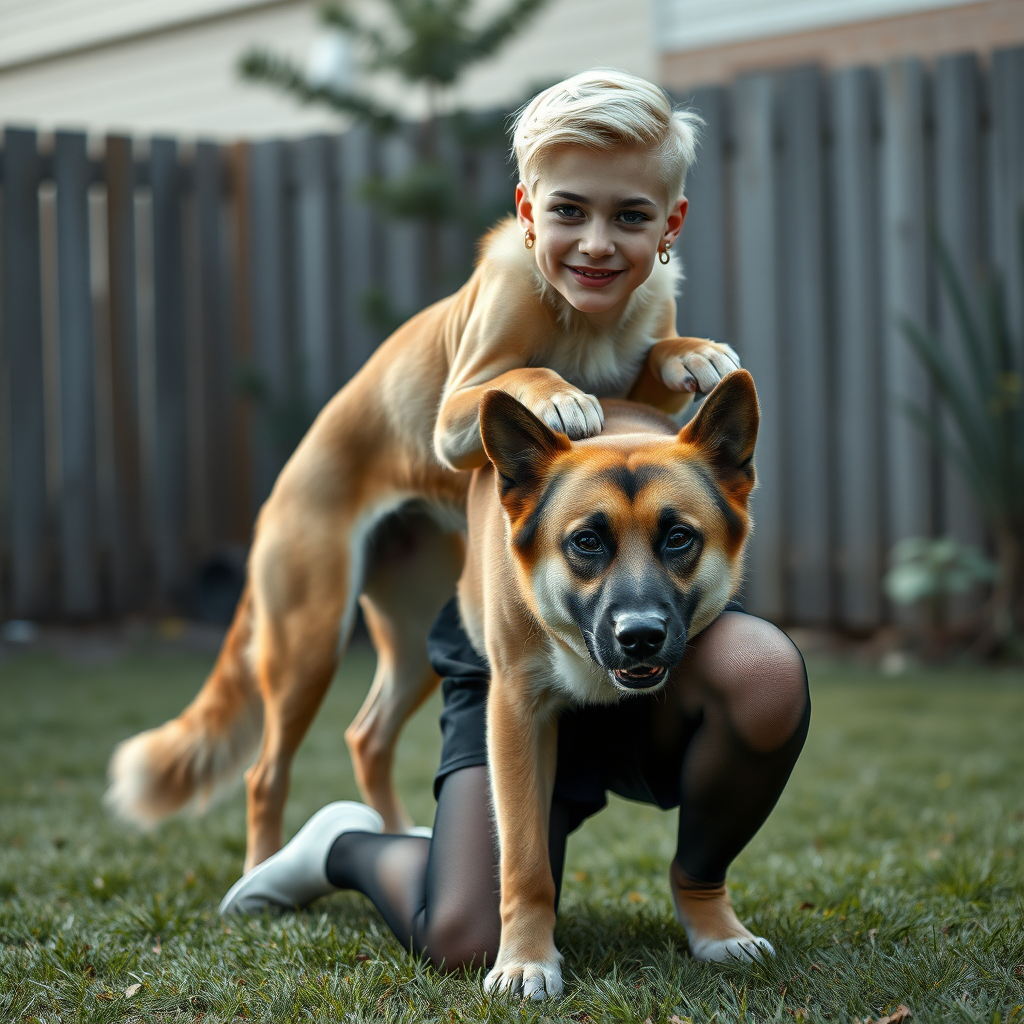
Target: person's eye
point(588, 542)
point(633, 217)
point(569, 212)
point(679, 538)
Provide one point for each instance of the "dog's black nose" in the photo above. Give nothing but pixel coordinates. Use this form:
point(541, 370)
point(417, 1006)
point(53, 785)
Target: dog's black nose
point(640, 637)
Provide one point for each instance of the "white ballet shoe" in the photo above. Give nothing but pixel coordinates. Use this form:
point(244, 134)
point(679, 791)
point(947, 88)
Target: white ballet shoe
point(423, 831)
point(725, 951)
point(297, 874)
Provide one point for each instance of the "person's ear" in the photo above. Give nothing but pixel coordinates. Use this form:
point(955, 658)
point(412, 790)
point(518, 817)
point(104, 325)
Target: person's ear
point(524, 208)
point(674, 221)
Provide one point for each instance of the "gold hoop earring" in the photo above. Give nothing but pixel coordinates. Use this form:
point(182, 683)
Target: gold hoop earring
point(663, 255)
point(530, 240)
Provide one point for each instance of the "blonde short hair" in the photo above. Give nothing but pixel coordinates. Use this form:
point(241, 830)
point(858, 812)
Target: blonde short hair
point(604, 110)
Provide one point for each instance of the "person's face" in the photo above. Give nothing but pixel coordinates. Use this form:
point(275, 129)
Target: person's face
point(599, 219)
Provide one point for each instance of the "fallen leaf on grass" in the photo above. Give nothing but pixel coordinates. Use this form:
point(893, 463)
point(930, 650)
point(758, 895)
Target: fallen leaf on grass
point(132, 989)
point(105, 996)
point(806, 905)
point(898, 1016)
point(157, 947)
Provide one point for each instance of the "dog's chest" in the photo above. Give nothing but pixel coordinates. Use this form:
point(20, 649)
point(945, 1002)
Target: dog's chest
point(605, 365)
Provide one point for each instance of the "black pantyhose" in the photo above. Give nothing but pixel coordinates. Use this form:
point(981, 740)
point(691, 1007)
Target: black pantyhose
point(739, 722)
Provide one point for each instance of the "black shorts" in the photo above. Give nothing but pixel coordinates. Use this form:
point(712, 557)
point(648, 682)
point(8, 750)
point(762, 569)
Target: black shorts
point(601, 749)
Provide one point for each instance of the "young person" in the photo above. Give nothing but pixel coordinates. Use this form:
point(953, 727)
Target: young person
point(602, 158)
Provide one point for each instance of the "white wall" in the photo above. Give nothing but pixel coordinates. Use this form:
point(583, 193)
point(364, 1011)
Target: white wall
point(182, 79)
point(693, 24)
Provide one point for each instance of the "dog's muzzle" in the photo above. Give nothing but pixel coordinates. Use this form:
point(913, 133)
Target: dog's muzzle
point(640, 642)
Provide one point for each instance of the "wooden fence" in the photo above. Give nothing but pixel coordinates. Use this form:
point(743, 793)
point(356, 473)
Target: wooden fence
point(143, 283)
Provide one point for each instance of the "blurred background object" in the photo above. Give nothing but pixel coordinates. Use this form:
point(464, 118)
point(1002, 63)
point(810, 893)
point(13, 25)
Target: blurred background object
point(178, 304)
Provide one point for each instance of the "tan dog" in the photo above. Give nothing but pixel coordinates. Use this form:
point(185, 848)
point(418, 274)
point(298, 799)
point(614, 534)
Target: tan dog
point(366, 510)
point(588, 568)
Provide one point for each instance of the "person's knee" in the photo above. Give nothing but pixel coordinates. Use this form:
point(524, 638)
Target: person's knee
point(759, 675)
point(461, 944)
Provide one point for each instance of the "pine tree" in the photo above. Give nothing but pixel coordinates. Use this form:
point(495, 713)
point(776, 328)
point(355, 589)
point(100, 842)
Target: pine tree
point(428, 44)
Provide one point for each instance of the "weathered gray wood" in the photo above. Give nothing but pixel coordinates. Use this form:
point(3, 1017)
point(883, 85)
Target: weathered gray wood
point(79, 577)
point(1007, 113)
point(269, 255)
point(404, 240)
point(170, 470)
point(757, 331)
point(703, 305)
point(356, 242)
point(959, 216)
point(126, 530)
point(314, 269)
point(905, 297)
point(218, 387)
point(859, 541)
point(23, 334)
point(806, 352)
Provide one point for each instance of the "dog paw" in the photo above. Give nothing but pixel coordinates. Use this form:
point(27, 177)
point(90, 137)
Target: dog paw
point(724, 951)
point(699, 369)
point(534, 980)
point(570, 412)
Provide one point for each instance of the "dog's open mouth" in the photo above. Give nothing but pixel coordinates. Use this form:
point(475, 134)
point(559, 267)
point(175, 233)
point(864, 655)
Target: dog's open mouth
point(640, 677)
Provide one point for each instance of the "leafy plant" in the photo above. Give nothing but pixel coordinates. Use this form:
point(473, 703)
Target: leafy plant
point(983, 434)
point(927, 570)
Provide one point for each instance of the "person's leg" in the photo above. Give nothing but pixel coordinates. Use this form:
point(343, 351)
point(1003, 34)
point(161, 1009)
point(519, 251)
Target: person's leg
point(440, 897)
point(746, 686)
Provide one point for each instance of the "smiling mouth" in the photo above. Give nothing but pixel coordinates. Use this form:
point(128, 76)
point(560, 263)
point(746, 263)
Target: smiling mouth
point(640, 677)
point(593, 277)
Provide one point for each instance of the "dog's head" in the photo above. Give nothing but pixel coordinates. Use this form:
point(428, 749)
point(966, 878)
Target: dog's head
point(627, 543)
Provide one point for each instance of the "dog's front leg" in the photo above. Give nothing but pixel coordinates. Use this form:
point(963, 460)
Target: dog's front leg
point(522, 741)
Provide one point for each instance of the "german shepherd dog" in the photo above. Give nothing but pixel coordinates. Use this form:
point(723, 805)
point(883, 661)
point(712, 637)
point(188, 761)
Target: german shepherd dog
point(369, 509)
point(589, 565)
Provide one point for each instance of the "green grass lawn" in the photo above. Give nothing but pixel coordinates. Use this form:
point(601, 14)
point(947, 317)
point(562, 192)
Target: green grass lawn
point(890, 872)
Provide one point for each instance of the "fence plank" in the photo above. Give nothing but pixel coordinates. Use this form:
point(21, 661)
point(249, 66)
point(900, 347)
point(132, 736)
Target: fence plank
point(126, 532)
point(215, 345)
point(702, 246)
point(269, 259)
point(905, 297)
point(170, 470)
point(314, 267)
point(23, 331)
point(858, 381)
point(806, 350)
point(80, 584)
point(239, 280)
point(959, 215)
point(757, 333)
point(1007, 92)
point(356, 242)
point(404, 241)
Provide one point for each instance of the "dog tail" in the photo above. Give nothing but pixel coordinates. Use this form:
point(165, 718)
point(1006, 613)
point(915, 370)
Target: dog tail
point(189, 759)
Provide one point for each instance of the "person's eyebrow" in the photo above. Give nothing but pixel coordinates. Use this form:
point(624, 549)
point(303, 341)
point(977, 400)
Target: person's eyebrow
point(638, 201)
point(573, 197)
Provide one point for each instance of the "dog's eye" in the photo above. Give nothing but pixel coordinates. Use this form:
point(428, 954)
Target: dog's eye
point(679, 538)
point(588, 542)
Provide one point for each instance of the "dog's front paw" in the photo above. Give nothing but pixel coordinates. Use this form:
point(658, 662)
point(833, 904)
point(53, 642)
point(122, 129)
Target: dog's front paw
point(567, 410)
point(530, 979)
point(698, 365)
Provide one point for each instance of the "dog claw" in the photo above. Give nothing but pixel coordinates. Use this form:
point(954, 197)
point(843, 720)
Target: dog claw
point(531, 981)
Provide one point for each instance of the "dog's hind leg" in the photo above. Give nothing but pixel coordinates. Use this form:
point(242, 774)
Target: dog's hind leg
point(413, 566)
point(303, 595)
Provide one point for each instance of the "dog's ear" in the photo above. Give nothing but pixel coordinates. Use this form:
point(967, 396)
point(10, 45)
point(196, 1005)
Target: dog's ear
point(725, 429)
point(517, 442)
